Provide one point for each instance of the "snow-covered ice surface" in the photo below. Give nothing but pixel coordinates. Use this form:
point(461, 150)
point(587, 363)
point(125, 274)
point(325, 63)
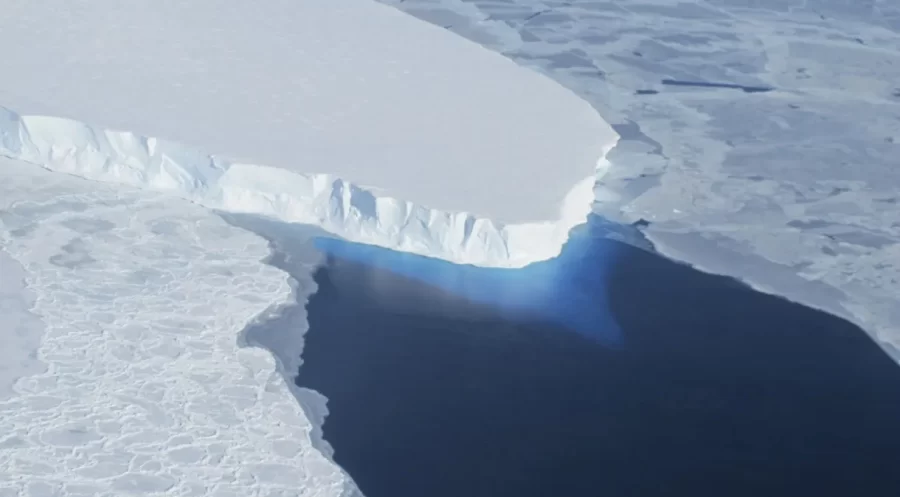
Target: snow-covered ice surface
point(385, 130)
point(20, 329)
point(787, 180)
point(323, 200)
point(462, 153)
point(347, 115)
point(144, 387)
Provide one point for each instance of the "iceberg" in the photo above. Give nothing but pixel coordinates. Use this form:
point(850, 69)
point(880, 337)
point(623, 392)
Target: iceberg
point(142, 382)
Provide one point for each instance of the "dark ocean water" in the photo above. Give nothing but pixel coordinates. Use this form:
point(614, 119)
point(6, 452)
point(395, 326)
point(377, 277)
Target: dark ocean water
point(609, 372)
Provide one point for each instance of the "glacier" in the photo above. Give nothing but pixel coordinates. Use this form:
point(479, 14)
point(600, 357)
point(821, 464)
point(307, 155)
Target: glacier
point(440, 146)
point(386, 130)
point(150, 119)
point(339, 207)
point(791, 190)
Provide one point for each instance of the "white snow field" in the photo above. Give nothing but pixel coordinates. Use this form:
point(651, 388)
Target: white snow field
point(140, 385)
point(793, 190)
point(373, 124)
point(21, 330)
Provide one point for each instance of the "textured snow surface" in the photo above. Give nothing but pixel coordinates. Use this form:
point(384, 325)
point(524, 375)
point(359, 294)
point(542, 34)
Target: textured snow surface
point(143, 388)
point(794, 190)
point(350, 88)
point(20, 329)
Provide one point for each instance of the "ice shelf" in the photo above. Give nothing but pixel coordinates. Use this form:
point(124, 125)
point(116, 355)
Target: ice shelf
point(758, 141)
point(377, 126)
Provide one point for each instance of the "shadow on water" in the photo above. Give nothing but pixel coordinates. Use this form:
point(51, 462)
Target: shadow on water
point(439, 387)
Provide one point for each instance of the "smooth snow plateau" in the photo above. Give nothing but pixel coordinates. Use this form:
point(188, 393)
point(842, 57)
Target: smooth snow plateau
point(376, 126)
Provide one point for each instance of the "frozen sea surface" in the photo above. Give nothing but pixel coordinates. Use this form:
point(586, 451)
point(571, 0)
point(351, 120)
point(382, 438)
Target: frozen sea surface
point(128, 375)
point(21, 330)
point(759, 139)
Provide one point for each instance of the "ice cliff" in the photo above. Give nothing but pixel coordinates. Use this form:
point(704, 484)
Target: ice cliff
point(341, 208)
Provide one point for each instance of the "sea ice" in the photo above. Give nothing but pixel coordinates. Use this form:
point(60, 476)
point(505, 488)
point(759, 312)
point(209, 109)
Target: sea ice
point(793, 190)
point(21, 330)
point(145, 386)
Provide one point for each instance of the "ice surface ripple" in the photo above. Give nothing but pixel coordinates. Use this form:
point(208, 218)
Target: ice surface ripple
point(147, 389)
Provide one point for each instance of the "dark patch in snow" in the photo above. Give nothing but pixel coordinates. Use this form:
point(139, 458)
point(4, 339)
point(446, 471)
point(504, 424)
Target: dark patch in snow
point(711, 84)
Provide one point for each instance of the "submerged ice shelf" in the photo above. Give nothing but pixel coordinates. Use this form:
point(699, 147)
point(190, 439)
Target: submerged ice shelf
point(792, 190)
point(388, 131)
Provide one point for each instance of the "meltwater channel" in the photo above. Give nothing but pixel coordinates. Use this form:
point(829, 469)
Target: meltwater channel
point(610, 371)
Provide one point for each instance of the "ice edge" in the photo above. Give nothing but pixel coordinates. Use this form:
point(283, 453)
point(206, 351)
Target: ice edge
point(335, 205)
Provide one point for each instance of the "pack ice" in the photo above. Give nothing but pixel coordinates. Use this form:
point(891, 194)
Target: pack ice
point(348, 115)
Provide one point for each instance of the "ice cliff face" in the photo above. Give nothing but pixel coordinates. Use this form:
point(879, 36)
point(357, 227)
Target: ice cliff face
point(339, 207)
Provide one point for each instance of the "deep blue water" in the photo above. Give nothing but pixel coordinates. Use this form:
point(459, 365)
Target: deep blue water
point(611, 372)
point(544, 291)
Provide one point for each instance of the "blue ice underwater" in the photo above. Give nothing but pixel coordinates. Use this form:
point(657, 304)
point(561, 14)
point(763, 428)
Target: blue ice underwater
point(569, 291)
